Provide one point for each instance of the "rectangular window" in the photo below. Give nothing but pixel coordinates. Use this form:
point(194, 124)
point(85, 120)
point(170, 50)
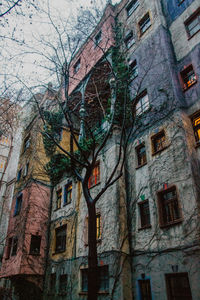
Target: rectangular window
point(144, 214)
point(52, 284)
point(77, 65)
point(144, 24)
point(98, 229)
point(63, 283)
point(196, 126)
point(95, 176)
point(142, 104)
point(26, 169)
point(169, 210)
point(98, 224)
point(103, 279)
point(2, 163)
point(133, 69)
point(131, 7)
point(14, 246)
point(145, 289)
point(68, 193)
point(58, 198)
point(18, 205)
point(188, 77)
point(141, 154)
point(193, 24)
point(9, 247)
point(97, 38)
point(19, 174)
point(158, 142)
point(27, 143)
point(61, 239)
point(35, 245)
point(178, 286)
point(129, 40)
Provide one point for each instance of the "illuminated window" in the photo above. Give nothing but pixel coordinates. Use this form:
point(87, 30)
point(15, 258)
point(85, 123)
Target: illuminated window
point(98, 229)
point(68, 193)
point(95, 176)
point(77, 65)
point(178, 286)
point(144, 24)
point(144, 214)
point(133, 69)
point(142, 103)
point(97, 38)
point(141, 154)
point(158, 142)
point(58, 198)
point(61, 239)
point(145, 289)
point(193, 24)
point(103, 279)
point(18, 205)
point(188, 77)
point(196, 126)
point(35, 245)
point(169, 210)
point(129, 40)
point(131, 7)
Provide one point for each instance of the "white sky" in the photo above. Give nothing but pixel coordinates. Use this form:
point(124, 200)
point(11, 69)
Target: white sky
point(19, 62)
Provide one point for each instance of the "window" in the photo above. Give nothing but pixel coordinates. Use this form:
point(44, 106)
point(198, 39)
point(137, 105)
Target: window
point(52, 284)
point(131, 7)
point(178, 286)
point(2, 163)
point(144, 214)
point(141, 154)
point(63, 283)
point(193, 24)
point(9, 247)
point(144, 24)
point(95, 176)
point(77, 65)
point(133, 69)
point(145, 289)
point(129, 40)
point(98, 229)
point(18, 205)
point(26, 169)
point(158, 142)
point(19, 174)
point(14, 246)
point(61, 239)
point(4, 140)
point(188, 77)
point(35, 245)
point(169, 210)
point(97, 38)
point(68, 193)
point(58, 198)
point(103, 279)
point(196, 126)
point(27, 142)
point(142, 104)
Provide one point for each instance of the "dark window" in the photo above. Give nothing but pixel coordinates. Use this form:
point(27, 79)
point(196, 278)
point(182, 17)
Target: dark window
point(35, 244)
point(58, 198)
point(169, 210)
point(133, 69)
point(141, 154)
point(63, 283)
point(95, 176)
point(193, 24)
point(144, 24)
point(9, 247)
point(129, 40)
point(14, 246)
point(97, 38)
point(142, 103)
point(18, 205)
point(144, 214)
point(188, 77)
point(196, 126)
point(103, 279)
point(131, 7)
point(145, 289)
point(61, 239)
point(77, 65)
point(19, 174)
point(52, 284)
point(158, 142)
point(68, 193)
point(27, 142)
point(178, 286)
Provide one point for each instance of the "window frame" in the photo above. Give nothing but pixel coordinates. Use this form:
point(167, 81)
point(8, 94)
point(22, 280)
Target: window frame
point(18, 204)
point(133, 69)
point(27, 143)
point(196, 128)
point(32, 251)
point(168, 288)
point(63, 238)
point(59, 194)
point(143, 108)
point(142, 216)
point(131, 7)
point(153, 140)
point(137, 148)
point(140, 288)
point(52, 279)
point(14, 246)
point(129, 40)
point(162, 207)
point(142, 23)
point(67, 191)
point(98, 229)
point(182, 75)
point(96, 177)
point(195, 15)
point(61, 290)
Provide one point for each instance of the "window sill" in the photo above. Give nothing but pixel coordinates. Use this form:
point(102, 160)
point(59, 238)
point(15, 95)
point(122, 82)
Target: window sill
point(57, 209)
point(58, 252)
point(140, 166)
point(171, 223)
point(154, 153)
point(191, 36)
point(186, 89)
point(144, 227)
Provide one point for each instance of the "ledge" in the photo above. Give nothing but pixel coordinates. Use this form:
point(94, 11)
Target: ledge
point(171, 223)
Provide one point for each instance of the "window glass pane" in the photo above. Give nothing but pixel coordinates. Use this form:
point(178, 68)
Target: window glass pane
point(35, 244)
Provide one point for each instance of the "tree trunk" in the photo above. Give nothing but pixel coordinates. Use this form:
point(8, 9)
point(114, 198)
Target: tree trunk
point(92, 254)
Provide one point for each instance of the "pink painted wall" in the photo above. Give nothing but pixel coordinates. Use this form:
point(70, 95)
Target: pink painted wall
point(32, 219)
